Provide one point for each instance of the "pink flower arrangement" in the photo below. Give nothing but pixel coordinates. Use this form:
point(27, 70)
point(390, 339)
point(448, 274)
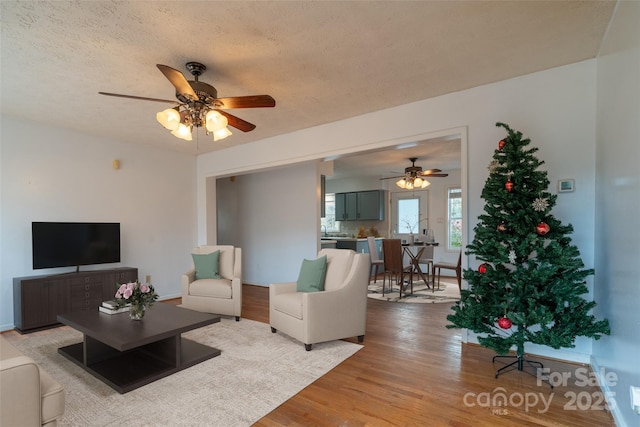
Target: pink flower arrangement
point(135, 293)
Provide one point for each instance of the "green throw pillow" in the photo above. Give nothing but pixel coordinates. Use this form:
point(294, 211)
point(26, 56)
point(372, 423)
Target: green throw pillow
point(312, 272)
point(207, 265)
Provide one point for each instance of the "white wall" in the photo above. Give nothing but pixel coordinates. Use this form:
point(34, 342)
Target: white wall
point(438, 206)
point(555, 108)
point(276, 218)
point(228, 226)
point(51, 174)
point(618, 206)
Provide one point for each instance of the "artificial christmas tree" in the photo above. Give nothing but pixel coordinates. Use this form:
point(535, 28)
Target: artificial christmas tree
point(529, 284)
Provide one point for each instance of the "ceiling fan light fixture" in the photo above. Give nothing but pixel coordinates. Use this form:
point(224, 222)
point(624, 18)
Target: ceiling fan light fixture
point(413, 176)
point(409, 183)
point(221, 134)
point(169, 118)
point(215, 121)
point(182, 131)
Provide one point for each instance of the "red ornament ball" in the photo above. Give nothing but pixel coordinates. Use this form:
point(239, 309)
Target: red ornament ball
point(509, 186)
point(502, 227)
point(504, 323)
point(482, 268)
point(542, 228)
point(501, 144)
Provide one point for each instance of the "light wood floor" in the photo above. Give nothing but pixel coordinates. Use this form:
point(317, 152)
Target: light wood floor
point(413, 371)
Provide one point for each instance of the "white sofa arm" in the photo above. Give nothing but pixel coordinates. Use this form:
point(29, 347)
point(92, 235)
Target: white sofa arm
point(236, 281)
point(20, 390)
point(281, 288)
point(186, 280)
point(237, 264)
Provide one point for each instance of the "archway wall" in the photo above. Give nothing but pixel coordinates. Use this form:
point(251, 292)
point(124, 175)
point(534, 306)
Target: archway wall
point(555, 108)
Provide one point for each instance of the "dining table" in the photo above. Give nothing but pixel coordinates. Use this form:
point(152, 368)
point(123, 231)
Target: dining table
point(414, 252)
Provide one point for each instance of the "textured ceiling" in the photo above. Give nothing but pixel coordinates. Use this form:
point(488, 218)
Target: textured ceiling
point(322, 61)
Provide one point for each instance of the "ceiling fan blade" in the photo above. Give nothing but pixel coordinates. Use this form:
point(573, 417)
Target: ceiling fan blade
point(237, 122)
point(142, 98)
point(178, 80)
point(439, 175)
point(392, 177)
point(253, 101)
point(430, 171)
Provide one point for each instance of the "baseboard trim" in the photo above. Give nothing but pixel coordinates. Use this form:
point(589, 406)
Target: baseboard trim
point(609, 394)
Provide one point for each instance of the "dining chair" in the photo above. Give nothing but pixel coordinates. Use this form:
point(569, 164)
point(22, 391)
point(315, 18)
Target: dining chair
point(449, 266)
point(427, 259)
point(394, 268)
point(375, 259)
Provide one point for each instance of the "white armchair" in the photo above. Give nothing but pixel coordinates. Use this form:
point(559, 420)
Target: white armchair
point(219, 296)
point(340, 311)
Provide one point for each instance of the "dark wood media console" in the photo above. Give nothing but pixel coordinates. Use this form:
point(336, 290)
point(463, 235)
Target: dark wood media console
point(38, 300)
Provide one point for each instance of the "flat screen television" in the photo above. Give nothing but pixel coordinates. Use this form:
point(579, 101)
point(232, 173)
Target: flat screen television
point(72, 244)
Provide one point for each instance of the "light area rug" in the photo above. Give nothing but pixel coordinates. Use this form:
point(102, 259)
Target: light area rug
point(447, 293)
point(256, 372)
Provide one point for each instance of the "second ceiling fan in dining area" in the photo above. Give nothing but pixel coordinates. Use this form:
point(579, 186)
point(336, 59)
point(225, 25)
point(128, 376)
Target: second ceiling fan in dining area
point(414, 177)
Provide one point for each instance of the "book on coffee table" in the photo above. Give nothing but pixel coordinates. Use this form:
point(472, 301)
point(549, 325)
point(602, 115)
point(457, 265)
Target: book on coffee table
point(109, 307)
point(113, 310)
point(109, 304)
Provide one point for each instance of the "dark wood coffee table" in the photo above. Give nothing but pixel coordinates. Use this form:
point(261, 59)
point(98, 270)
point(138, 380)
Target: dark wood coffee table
point(127, 354)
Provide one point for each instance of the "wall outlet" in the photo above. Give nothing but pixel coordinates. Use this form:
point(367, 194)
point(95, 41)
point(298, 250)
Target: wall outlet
point(147, 279)
point(635, 399)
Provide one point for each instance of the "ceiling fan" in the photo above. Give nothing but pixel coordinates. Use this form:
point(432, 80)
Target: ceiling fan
point(413, 176)
point(198, 105)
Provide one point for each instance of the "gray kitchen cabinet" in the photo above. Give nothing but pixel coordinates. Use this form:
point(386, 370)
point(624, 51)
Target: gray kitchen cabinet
point(346, 206)
point(360, 206)
point(347, 244)
point(341, 206)
point(370, 205)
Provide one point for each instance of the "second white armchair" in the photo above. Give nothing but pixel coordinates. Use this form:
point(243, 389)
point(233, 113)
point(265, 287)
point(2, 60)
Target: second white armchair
point(339, 311)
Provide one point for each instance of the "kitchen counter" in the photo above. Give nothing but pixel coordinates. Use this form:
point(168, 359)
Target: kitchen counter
point(353, 243)
point(328, 243)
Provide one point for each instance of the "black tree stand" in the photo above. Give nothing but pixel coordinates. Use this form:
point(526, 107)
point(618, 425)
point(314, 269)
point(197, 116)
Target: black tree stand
point(519, 364)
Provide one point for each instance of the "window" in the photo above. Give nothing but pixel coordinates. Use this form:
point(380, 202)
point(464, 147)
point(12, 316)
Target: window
point(408, 216)
point(409, 213)
point(454, 216)
point(328, 223)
